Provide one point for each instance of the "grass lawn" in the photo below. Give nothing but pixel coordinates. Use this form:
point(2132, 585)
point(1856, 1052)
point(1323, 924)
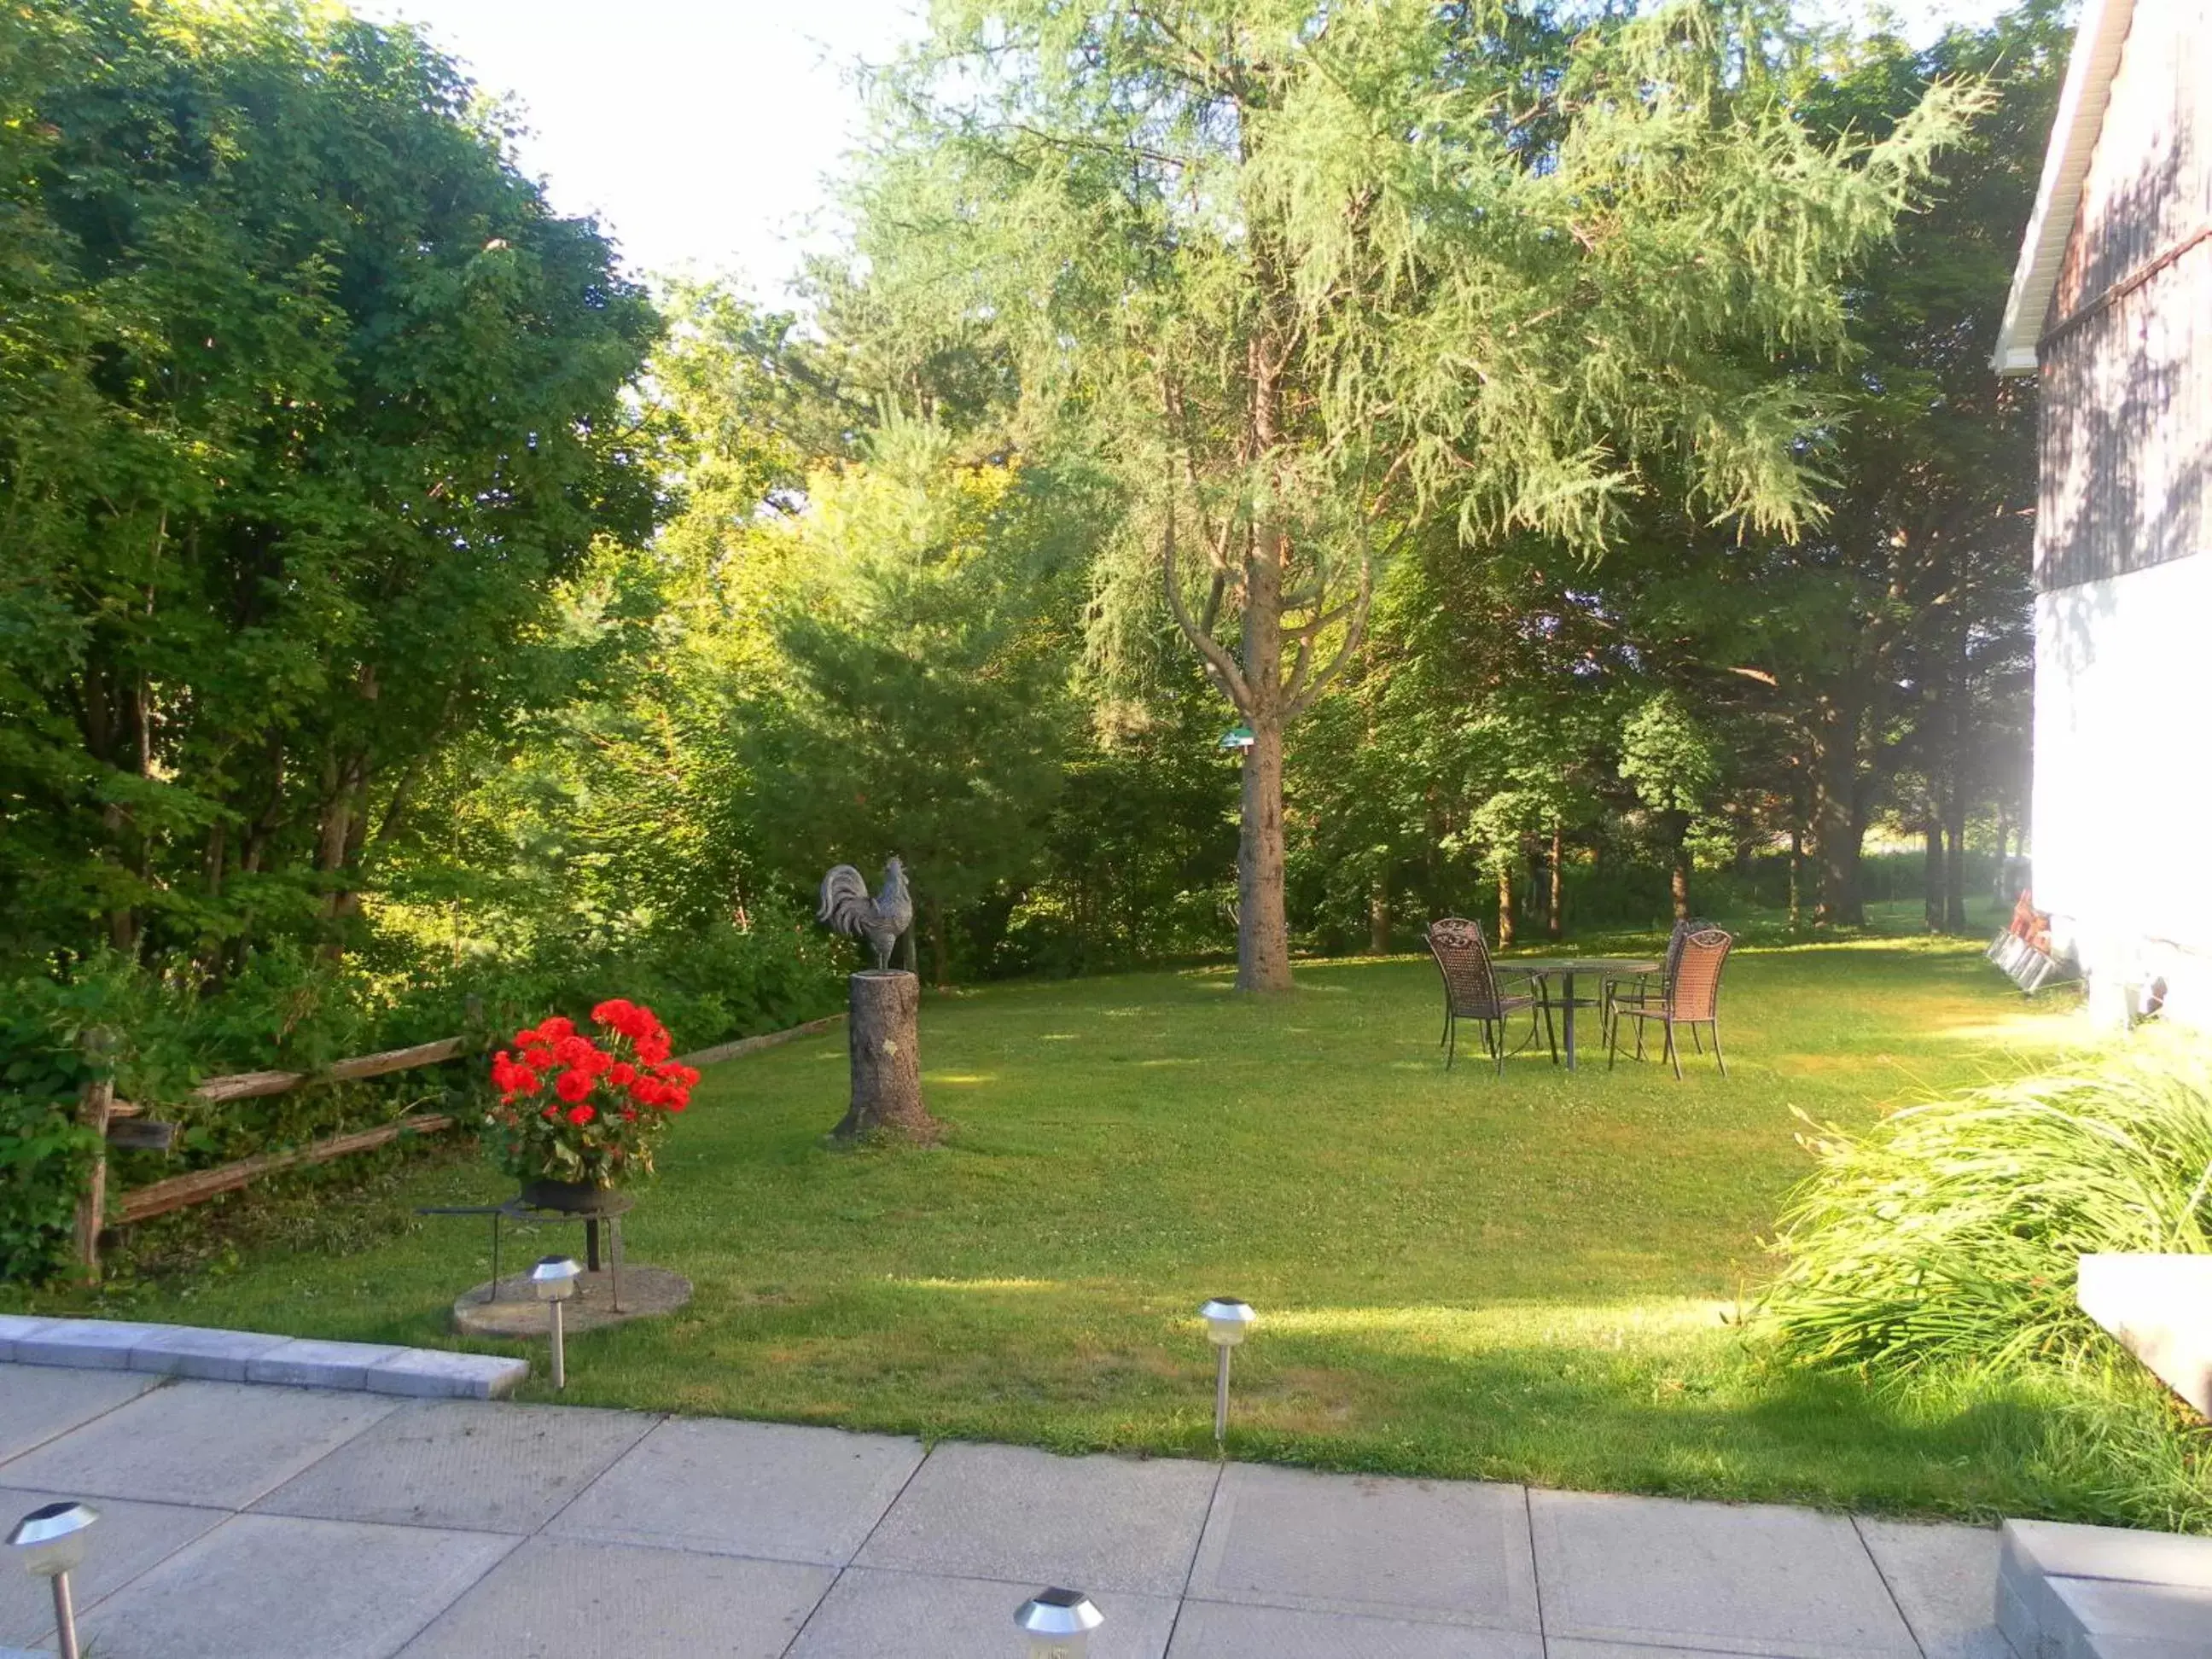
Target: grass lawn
point(1456, 1275)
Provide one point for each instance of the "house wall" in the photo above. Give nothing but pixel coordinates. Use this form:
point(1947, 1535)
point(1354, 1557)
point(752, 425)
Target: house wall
point(2126, 356)
point(2123, 807)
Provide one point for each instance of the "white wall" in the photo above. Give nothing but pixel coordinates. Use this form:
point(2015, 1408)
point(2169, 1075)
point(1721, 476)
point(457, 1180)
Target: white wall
point(2122, 809)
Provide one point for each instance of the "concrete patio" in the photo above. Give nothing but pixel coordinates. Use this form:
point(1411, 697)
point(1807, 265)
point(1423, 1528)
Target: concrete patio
point(245, 1522)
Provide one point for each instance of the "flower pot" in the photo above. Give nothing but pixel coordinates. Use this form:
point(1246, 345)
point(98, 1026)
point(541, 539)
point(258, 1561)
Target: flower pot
point(569, 1197)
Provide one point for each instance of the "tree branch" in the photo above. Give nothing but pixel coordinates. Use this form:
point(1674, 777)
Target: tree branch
point(1217, 661)
point(1301, 696)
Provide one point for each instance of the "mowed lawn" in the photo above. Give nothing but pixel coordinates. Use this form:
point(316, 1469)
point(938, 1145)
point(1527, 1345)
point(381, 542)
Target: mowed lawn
point(1532, 1277)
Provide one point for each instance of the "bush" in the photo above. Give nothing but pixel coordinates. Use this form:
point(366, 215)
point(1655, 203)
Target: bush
point(1950, 1232)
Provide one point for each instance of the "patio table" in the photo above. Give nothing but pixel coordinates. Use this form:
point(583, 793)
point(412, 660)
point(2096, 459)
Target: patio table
point(1566, 968)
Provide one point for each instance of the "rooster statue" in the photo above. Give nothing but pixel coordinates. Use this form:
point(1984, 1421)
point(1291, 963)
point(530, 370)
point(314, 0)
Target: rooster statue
point(847, 908)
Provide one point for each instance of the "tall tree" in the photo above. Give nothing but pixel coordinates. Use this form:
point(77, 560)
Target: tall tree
point(322, 404)
point(1306, 276)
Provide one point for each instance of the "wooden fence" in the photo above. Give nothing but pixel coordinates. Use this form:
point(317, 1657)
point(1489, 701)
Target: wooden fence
point(122, 1123)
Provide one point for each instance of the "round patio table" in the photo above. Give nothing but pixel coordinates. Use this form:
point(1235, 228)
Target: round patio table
point(1565, 969)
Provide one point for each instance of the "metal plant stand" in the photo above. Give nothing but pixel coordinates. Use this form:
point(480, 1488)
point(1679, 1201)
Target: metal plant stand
point(610, 1209)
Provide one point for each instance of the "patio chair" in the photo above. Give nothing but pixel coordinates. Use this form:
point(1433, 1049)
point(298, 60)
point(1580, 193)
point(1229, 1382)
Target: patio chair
point(1691, 997)
point(1472, 990)
point(1639, 988)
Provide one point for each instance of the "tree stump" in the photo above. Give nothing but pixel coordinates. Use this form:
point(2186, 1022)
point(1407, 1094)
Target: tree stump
point(886, 1061)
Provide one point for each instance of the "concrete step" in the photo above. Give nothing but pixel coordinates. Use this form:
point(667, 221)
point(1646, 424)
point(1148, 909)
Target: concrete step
point(2160, 1308)
point(219, 1356)
point(2074, 1592)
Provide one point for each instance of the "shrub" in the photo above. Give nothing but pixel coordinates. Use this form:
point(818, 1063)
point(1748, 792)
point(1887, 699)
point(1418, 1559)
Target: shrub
point(1951, 1231)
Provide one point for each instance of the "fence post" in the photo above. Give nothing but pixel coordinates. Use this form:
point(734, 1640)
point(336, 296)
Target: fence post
point(93, 1104)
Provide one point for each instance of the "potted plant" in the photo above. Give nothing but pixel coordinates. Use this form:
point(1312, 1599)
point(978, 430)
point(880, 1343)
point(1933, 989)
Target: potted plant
point(577, 1115)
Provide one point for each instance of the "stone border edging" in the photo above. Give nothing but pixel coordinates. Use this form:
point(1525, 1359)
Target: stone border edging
point(722, 1051)
point(222, 1356)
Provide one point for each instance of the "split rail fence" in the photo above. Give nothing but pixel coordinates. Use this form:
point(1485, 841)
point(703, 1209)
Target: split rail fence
point(122, 1123)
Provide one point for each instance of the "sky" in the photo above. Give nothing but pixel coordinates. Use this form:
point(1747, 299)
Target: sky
point(701, 131)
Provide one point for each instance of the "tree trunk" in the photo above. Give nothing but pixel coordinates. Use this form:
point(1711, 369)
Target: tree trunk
point(1555, 910)
point(882, 1039)
point(940, 960)
point(1796, 869)
point(1678, 872)
point(1263, 932)
point(1378, 916)
point(1932, 876)
point(1504, 907)
point(1954, 864)
point(1837, 821)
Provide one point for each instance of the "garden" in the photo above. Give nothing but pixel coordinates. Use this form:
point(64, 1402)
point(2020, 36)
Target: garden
point(1247, 490)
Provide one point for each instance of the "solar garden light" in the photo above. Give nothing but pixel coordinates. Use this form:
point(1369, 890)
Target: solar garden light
point(1228, 1321)
point(554, 1279)
point(1058, 1623)
point(50, 1542)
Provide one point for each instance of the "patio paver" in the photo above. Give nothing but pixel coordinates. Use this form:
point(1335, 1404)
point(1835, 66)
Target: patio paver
point(39, 1404)
point(559, 1598)
point(478, 1467)
point(218, 1444)
point(934, 1617)
point(775, 1489)
point(373, 1528)
point(1219, 1630)
point(1753, 1578)
point(274, 1587)
point(1446, 1551)
point(1099, 1523)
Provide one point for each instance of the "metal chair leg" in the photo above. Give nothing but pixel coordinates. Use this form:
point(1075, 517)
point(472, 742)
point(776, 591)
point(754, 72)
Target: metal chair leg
point(1674, 1050)
point(1718, 1060)
point(1451, 1041)
point(1612, 1044)
point(1695, 1041)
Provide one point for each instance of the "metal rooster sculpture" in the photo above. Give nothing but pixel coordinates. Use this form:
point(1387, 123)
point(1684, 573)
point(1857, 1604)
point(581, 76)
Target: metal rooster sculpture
point(847, 908)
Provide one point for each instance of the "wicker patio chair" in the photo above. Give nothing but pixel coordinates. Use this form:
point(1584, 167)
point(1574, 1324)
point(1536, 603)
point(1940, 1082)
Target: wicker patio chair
point(1691, 997)
point(1639, 988)
point(1472, 990)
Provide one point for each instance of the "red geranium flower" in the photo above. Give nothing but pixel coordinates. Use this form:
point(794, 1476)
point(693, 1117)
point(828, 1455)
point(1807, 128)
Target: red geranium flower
point(573, 1085)
point(581, 1116)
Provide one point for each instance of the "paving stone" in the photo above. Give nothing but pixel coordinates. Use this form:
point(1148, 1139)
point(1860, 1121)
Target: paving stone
point(923, 1616)
point(1560, 1647)
point(275, 1587)
point(129, 1539)
point(560, 1598)
point(764, 1489)
point(1095, 1523)
point(468, 1465)
point(13, 1326)
point(38, 1403)
point(87, 1344)
point(211, 1356)
point(302, 1364)
point(2104, 1610)
point(1451, 1551)
point(222, 1444)
point(1940, 1578)
point(1218, 1630)
point(2062, 1549)
point(1750, 1578)
point(434, 1373)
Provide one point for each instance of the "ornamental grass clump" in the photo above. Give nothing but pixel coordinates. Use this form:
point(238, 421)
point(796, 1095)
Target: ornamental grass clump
point(574, 1109)
point(1950, 1233)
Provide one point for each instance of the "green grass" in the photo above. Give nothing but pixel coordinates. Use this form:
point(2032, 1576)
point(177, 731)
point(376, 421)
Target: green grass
point(1456, 1275)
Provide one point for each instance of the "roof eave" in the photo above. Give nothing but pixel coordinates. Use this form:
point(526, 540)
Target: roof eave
point(2098, 40)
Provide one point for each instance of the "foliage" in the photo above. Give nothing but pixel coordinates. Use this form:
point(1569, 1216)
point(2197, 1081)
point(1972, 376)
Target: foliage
point(314, 404)
point(1306, 279)
point(571, 1108)
point(926, 702)
point(1950, 1232)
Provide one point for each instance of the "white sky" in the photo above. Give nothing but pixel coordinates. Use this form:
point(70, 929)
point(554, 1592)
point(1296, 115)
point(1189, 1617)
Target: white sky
point(701, 131)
